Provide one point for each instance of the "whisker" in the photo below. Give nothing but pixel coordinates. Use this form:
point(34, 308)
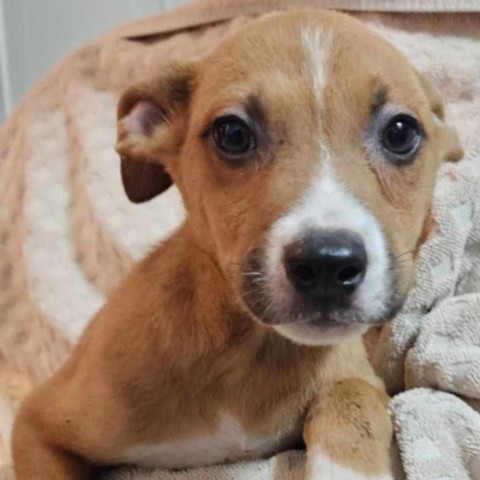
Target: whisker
point(403, 254)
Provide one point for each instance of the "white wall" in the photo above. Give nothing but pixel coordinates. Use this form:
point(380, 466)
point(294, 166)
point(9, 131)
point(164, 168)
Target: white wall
point(2, 106)
point(35, 34)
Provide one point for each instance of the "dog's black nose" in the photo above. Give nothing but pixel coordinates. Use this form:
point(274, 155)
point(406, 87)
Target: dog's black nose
point(327, 266)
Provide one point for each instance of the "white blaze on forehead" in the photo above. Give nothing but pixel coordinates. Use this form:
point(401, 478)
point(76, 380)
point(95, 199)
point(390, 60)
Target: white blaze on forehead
point(317, 44)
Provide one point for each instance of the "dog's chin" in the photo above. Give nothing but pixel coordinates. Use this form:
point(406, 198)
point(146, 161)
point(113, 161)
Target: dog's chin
point(317, 335)
point(317, 328)
point(308, 324)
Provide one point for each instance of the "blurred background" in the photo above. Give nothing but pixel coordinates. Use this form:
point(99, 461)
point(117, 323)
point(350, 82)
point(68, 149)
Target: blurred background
point(35, 34)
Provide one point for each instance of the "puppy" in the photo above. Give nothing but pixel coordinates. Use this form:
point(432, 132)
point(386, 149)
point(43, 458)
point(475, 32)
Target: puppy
point(306, 150)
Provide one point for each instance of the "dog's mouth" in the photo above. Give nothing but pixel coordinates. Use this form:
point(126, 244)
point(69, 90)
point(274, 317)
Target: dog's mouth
point(273, 301)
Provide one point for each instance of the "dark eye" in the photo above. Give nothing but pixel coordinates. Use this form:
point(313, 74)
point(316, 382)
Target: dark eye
point(233, 136)
point(401, 137)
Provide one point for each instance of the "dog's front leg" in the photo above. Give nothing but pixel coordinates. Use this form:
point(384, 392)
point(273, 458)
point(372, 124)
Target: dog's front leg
point(36, 459)
point(348, 433)
point(37, 450)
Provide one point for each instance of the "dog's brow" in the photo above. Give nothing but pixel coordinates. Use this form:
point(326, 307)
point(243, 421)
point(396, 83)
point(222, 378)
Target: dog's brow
point(379, 98)
point(255, 109)
point(180, 89)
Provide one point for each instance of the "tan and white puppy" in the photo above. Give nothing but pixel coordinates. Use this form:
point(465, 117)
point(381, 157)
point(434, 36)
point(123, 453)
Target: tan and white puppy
point(306, 150)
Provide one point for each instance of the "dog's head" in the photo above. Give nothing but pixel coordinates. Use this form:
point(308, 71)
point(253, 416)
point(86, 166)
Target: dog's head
point(306, 150)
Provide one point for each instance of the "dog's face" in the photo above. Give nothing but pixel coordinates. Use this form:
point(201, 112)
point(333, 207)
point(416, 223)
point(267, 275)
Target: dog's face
point(306, 150)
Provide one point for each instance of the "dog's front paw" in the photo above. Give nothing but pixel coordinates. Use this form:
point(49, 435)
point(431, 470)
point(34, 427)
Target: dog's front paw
point(323, 468)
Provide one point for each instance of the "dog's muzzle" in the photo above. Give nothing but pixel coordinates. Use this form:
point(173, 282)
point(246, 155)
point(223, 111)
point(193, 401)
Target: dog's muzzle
point(319, 284)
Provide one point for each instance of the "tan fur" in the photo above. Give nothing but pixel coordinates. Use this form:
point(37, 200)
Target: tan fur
point(175, 346)
point(356, 412)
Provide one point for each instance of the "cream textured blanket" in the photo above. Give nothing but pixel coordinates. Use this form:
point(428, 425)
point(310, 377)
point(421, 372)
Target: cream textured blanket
point(68, 234)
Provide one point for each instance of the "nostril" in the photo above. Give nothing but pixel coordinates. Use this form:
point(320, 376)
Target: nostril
point(350, 275)
point(304, 274)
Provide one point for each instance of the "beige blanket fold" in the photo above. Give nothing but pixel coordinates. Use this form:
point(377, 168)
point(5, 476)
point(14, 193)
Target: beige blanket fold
point(208, 12)
point(68, 234)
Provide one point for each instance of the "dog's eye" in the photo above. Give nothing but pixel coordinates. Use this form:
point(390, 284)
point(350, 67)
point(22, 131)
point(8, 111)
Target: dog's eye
point(233, 136)
point(401, 138)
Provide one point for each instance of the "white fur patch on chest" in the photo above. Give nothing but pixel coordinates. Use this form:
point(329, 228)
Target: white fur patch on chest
point(228, 443)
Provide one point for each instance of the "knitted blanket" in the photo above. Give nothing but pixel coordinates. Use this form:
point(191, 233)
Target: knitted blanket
point(68, 234)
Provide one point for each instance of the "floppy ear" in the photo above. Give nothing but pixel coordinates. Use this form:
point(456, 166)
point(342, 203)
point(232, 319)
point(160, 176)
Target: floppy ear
point(451, 148)
point(152, 119)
